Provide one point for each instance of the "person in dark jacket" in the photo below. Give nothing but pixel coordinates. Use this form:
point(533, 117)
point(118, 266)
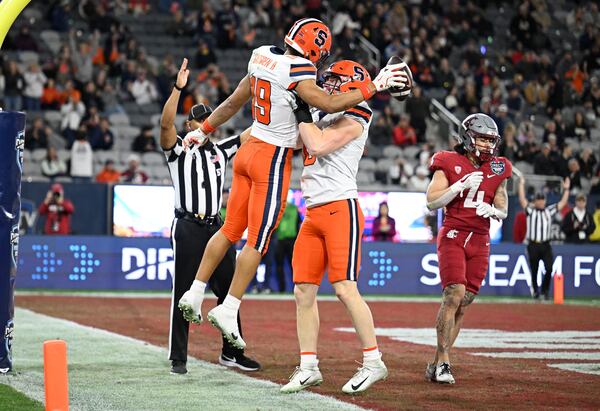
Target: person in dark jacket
point(578, 224)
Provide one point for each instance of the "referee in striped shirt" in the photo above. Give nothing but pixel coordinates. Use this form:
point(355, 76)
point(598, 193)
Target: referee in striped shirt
point(539, 221)
point(198, 178)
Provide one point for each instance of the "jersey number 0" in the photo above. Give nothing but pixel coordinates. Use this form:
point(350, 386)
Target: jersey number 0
point(261, 100)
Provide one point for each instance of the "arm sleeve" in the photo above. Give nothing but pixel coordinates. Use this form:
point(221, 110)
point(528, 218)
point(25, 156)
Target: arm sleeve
point(230, 146)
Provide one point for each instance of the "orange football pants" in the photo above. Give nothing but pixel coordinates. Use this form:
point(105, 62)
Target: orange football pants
point(329, 238)
point(261, 180)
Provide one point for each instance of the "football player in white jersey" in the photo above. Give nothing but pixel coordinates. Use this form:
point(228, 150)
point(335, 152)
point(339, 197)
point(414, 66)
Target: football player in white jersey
point(262, 168)
point(330, 235)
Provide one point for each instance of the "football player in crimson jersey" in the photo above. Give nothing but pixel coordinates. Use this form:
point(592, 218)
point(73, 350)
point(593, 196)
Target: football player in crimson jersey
point(262, 168)
point(470, 183)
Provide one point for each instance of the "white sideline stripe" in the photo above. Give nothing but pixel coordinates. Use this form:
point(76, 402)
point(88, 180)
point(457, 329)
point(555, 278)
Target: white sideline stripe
point(108, 371)
point(543, 355)
point(586, 368)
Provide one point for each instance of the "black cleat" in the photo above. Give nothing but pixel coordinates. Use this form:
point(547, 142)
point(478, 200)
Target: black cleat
point(239, 361)
point(178, 367)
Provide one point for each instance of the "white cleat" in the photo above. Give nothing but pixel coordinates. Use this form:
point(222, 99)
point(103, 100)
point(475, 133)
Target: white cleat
point(301, 379)
point(226, 321)
point(443, 375)
point(430, 372)
point(190, 304)
point(366, 376)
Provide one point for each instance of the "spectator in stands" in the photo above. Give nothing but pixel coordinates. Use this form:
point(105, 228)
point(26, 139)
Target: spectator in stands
point(562, 162)
point(145, 141)
point(403, 133)
point(384, 226)
point(57, 210)
point(59, 13)
point(13, 87)
point(451, 101)
point(514, 102)
point(110, 100)
point(523, 26)
point(595, 236)
point(509, 146)
point(501, 117)
point(70, 91)
point(551, 133)
point(258, 17)
point(575, 78)
point(399, 172)
point(133, 174)
point(579, 129)
point(37, 135)
point(108, 174)
point(52, 166)
point(24, 41)
point(575, 175)
point(420, 180)
point(90, 97)
point(100, 136)
point(204, 55)
point(72, 112)
point(50, 96)
point(34, 80)
point(380, 133)
point(82, 55)
point(587, 162)
point(143, 90)
point(82, 158)
point(578, 224)
point(417, 107)
point(544, 162)
point(226, 22)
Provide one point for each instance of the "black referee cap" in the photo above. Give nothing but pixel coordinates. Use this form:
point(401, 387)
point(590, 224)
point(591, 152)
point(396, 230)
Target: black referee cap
point(199, 112)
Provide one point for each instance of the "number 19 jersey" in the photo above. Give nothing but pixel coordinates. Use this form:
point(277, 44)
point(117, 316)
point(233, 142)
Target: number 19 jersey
point(460, 213)
point(273, 76)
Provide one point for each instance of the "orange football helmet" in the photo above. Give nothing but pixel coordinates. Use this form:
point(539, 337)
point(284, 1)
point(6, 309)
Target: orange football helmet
point(346, 75)
point(311, 38)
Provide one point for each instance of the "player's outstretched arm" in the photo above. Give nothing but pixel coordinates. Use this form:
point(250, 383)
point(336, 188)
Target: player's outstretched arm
point(168, 133)
point(390, 76)
point(229, 107)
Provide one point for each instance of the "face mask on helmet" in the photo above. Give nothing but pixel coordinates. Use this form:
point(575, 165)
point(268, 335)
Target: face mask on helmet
point(479, 135)
point(331, 83)
point(485, 146)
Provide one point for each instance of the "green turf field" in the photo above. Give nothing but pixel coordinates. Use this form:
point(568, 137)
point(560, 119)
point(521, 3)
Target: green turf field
point(13, 400)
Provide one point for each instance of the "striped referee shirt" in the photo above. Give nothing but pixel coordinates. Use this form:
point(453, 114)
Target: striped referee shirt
point(539, 223)
point(199, 178)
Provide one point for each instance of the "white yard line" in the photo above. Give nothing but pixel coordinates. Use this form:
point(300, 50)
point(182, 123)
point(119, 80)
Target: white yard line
point(108, 371)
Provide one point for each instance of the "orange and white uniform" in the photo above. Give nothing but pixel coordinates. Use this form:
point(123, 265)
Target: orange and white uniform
point(330, 235)
point(262, 168)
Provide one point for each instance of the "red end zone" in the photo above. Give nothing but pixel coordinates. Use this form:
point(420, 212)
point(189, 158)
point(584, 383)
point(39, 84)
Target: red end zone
point(514, 367)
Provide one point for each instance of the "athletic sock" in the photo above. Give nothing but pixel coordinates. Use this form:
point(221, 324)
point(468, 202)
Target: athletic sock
point(308, 360)
point(371, 355)
point(198, 287)
point(232, 303)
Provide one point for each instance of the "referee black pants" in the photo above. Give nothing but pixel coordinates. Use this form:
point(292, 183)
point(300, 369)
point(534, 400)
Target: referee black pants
point(537, 252)
point(189, 239)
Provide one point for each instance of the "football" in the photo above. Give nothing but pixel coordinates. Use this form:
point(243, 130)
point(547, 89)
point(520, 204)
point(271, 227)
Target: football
point(401, 94)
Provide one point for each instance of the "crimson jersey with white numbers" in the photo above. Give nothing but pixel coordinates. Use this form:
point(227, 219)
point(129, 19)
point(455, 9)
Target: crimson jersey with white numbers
point(273, 76)
point(460, 213)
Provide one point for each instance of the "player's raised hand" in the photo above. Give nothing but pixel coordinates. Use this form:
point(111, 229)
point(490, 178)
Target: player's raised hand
point(391, 76)
point(183, 74)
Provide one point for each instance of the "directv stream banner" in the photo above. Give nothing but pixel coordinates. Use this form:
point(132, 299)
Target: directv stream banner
point(111, 263)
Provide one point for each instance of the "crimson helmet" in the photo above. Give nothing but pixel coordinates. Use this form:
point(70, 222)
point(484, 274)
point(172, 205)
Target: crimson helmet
point(475, 126)
point(346, 75)
point(311, 38)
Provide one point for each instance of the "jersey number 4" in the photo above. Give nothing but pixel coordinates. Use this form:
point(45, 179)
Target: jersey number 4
point(261, 100)
point(471, 201)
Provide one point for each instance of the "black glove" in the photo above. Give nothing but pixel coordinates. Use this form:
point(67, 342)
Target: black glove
point(302, 112)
